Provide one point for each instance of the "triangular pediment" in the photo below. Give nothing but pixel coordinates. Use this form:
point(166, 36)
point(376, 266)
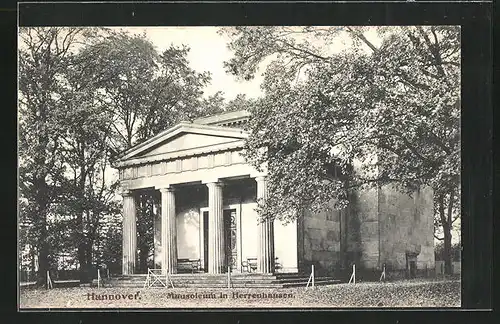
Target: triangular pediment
point(185, 137)
point(187, 141)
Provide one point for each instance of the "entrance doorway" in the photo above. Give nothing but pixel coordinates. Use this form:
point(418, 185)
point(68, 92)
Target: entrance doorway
point(230, 237)
point(205, 241)
point(230, 240)
point(411, 265)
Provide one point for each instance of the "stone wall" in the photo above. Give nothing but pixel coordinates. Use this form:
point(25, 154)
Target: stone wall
point(362, 226)
point(407, 227)
point(319, 241)
point(385, 226)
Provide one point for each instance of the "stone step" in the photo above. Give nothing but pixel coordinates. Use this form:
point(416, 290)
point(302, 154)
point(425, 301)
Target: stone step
point(243, 274)
point(220, 280)
point(203, 285)
point(224, 285)
point(211, 281)
point(302, 279)
point(291, 274)
point(316, 283)
point(199, 277)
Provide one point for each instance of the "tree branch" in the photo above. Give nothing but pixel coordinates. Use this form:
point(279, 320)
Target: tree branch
point(363, 38)
point(304, 51)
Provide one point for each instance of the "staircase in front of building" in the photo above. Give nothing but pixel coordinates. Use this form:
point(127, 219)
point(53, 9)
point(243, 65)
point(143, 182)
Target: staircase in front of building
point(238, 280)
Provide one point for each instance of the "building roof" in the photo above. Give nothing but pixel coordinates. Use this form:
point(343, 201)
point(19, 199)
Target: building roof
point(225, 119)
point(183, 128)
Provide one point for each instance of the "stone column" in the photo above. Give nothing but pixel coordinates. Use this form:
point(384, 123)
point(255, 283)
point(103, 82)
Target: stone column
point(129, 233)
point(215, 228)
point(168, 231)
point(265, 230)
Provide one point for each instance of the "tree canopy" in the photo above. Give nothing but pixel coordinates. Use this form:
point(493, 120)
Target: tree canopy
point(389, 103)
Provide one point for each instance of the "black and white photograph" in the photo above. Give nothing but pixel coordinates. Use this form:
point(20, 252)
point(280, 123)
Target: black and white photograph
point(239, 167)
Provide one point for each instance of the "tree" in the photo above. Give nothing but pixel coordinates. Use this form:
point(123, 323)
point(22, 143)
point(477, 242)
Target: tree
point(455, 252)
point(146, 92)
point(211, 105)
point(86, 94)
point(217, 104)
point(324, 109)
point(418, 122)
point(43, 57)
point(240, 102)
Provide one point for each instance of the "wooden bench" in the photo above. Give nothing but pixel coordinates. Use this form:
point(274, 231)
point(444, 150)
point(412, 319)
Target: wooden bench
point(188, 265)
point(250, 264)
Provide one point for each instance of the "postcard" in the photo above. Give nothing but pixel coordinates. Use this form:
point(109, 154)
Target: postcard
point(239, 167)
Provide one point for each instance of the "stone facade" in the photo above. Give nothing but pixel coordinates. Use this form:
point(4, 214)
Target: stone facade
point(320, 241)
point(381, 226)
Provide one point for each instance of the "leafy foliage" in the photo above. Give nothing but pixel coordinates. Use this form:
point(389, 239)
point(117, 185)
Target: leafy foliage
point(391, 111)
point(44, 56)
point(455, 252)
point(146, 91)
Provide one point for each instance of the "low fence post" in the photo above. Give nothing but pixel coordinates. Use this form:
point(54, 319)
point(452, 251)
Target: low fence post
point(311, 277)
point(228, 277)
point(146, 283)
point(353, 275)
point(49, 281)
point(312, 273)
point(382, 276)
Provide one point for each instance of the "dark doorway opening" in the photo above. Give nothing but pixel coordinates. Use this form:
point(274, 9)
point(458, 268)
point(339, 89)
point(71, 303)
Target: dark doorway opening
point(205, 241)
point(230, 236)
point(411, 265)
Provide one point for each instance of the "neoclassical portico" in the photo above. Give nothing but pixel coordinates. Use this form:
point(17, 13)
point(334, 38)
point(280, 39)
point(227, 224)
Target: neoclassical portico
point(196, 155)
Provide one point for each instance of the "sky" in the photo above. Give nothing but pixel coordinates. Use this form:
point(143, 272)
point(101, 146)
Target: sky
point(208, 52)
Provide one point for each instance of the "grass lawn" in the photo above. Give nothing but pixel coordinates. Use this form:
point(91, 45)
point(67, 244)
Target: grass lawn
point(391, 294)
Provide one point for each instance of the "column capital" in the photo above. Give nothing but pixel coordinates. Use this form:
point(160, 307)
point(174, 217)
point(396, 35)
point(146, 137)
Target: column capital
point(261, 178)
point(214, 184)
point(167, 189)
point(125, 192)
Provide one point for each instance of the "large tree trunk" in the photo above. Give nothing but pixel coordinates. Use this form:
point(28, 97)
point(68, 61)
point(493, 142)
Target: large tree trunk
point(448, 265)
point(82, 239)
point(446, 223)
point(85, 259)
point(43, 258)
point(447, 250)
point(41, 203)
point(82, 261)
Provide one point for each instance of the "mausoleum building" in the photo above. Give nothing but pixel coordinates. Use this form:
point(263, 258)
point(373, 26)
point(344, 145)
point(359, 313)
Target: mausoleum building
point(207, 217)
